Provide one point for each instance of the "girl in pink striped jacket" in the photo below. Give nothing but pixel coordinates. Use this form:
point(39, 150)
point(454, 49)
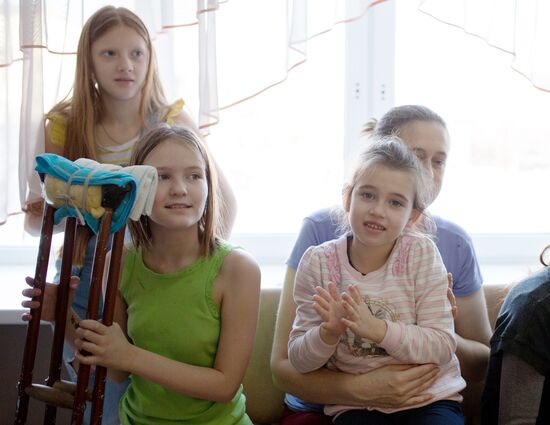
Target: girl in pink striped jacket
point(380, 291)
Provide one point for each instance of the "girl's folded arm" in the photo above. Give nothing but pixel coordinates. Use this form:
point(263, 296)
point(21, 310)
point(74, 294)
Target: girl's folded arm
point(34, 210)
point(431, 339)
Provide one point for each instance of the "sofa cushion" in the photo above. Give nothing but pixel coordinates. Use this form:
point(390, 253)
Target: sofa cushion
point(264, 402)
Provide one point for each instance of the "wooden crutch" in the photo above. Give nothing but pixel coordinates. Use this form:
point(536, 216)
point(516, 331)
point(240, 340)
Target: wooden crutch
point(57, 393)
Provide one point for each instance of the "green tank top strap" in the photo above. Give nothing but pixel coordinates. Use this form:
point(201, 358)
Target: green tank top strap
point(217, 259)
point(214, 264)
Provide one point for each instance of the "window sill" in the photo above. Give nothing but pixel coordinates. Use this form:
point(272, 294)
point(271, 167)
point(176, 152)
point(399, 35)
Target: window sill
point(503, 259)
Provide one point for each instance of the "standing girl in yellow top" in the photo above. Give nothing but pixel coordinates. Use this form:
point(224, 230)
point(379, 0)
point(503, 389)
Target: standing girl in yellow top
point(116, 96)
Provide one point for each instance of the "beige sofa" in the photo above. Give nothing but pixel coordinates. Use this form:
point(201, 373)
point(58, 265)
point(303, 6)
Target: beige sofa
point(264, 400)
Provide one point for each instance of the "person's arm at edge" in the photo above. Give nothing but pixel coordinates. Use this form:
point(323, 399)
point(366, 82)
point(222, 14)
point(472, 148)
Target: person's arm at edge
point(49, 302)
point(472, 328)
point(521, 388)
point(473, 333)
point(34, 210)
point(386, 387)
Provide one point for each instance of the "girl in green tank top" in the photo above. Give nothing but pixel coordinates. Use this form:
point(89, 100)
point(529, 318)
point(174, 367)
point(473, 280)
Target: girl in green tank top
point(187, 305)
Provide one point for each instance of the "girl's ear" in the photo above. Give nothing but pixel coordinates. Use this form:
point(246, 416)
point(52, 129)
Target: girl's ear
point(346, 197)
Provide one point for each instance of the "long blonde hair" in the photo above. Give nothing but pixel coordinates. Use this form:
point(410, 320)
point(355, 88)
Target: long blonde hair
point(83, 110)
point(209, 226)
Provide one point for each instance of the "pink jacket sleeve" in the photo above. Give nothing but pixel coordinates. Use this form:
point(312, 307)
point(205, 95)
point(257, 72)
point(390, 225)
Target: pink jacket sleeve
point(431, 339)
point(306, 350)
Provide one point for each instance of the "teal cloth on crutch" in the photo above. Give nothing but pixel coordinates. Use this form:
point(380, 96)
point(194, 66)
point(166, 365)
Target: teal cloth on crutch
point(66, 170)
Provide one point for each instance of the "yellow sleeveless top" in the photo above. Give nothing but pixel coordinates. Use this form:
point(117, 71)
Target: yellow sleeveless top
point(119, 154)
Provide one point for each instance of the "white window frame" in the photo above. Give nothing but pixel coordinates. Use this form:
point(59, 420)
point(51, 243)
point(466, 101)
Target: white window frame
point(369, 92)
point(370, 83)
point(369, 70)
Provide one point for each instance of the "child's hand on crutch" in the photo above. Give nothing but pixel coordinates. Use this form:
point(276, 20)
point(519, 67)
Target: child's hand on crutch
point(49, 300)
point(105, 345)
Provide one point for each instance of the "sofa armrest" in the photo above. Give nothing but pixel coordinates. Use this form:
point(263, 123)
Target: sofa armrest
point(264, 402)
point(495, 295)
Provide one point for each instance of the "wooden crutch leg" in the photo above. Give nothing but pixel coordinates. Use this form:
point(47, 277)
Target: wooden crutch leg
point(58, 393)
point(108, 312)
point(62, 306)
point(101, 249)
point(29, 355)
point(111, 200)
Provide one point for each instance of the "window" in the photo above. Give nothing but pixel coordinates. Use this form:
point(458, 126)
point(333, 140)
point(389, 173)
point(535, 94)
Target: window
point(494, 183)
point(284, 150)
point(497, 121)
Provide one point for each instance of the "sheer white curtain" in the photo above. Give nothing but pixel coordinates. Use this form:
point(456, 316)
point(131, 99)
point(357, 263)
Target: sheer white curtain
point(11, 66)
point(519, 27)
point(202, 46)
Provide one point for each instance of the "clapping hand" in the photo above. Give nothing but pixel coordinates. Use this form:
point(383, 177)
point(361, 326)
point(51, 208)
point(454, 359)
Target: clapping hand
point(328, 305)
point(359, 317)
